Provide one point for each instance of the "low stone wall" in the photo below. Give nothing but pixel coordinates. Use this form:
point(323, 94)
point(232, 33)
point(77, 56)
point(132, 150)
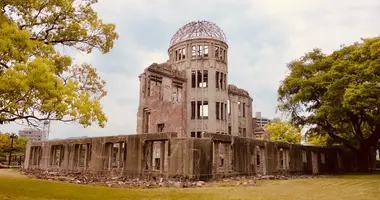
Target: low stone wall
point(166, 156)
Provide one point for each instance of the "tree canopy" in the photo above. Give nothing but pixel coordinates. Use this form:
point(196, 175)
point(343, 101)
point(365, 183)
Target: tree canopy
point(19, 144)
point(337, 95)
point(39, 83)
point(283, 132)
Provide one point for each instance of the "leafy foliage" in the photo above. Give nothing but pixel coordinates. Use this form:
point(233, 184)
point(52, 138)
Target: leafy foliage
point(320, 140)
point(283, 132)
point(19, 144)
point(337, 94)
point(36, 81)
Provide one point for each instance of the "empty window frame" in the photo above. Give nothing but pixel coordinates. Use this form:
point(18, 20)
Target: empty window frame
point(146, 120)
point(157, 163)
point(216, 52)
point(193, 110)
point(160, 128)
point(323, 159)
point(217, 79)
point(199, 78)
point(243, 109)
point(155, 87)
point(198, 51)
point(199, 110)
point(193, 79)
point(225, 81)
point(217, 110)
point(182, 54)
point(196, 134)
point(229, 107)
point(202, 110)
point(225, 112)
point(258, 159)
point(304, 157)
point(202, 79)
point(177, 90)
point(244, 132)
point(222, 111)
point(221, 81)
point(229, 130)
point(220, 53)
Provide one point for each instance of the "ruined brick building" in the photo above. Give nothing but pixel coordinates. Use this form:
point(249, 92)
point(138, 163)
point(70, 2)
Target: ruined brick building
point(190, 93)
point(190, 123)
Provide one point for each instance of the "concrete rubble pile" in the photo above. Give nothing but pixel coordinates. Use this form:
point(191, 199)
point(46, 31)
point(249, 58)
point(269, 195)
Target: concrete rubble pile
point(122, 182)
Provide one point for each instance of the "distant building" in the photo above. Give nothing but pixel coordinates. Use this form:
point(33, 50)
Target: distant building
point(258, 124)
point(33, 134)
point(261, 120)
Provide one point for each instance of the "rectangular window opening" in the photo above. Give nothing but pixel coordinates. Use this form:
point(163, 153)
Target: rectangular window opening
point(157, 163)
point(183, 53)
point(192, 134)
point(217, 110)
point(205, 51)
point(243, 109)
point(222, 111)
point(217, 79)
point(258, 158)
point(202, 109)
point(193, 79)
point(202, 79)
point(193, 110)
point(221, 81)
point(229, 107)
point(160, 128)
point(225, 112)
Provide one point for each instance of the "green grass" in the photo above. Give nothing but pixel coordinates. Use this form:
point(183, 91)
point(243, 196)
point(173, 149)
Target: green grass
point(350, 187)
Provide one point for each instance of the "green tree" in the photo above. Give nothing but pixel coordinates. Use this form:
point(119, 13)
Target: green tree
point(39, 83)
point(338, 95)
point(319, 140)
point(19, 144)
point(283, 132)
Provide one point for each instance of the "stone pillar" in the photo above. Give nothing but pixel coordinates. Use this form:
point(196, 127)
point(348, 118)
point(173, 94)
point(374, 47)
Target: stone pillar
point(85, 156)
point(32, 154)
point(216, 157)
point(110, 152)
point(119, 155)
point(162, 157)
point(226, 157)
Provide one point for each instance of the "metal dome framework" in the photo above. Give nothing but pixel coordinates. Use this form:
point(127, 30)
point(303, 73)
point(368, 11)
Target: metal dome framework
point(198, 29)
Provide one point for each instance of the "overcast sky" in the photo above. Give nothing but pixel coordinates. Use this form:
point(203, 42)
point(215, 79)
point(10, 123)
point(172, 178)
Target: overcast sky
point(263, 36)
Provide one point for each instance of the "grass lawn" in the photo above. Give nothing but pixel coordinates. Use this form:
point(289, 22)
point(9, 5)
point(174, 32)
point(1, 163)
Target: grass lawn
point(350, 187)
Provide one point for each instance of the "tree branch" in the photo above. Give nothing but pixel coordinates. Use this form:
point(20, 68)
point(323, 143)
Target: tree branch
point(337, 138)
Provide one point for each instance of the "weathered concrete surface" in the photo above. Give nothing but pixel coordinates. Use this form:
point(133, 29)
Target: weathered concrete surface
point(164, 155)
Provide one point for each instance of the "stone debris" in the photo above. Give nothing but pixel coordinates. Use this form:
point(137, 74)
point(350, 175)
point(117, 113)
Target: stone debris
point(114, 181)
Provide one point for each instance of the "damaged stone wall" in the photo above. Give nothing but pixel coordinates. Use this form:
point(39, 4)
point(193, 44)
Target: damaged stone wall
point(162, 106)
point(167, 156)
point(240, 115)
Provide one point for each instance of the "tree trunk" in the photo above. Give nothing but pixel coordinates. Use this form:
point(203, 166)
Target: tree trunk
point(364, 159)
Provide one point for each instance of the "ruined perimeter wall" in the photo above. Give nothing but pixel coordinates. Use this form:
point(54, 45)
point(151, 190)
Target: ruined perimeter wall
point(167, 156)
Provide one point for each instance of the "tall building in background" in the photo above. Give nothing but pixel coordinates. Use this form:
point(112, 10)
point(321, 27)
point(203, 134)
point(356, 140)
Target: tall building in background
point(258, 124)
point(261, 120)
point(33, 134)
